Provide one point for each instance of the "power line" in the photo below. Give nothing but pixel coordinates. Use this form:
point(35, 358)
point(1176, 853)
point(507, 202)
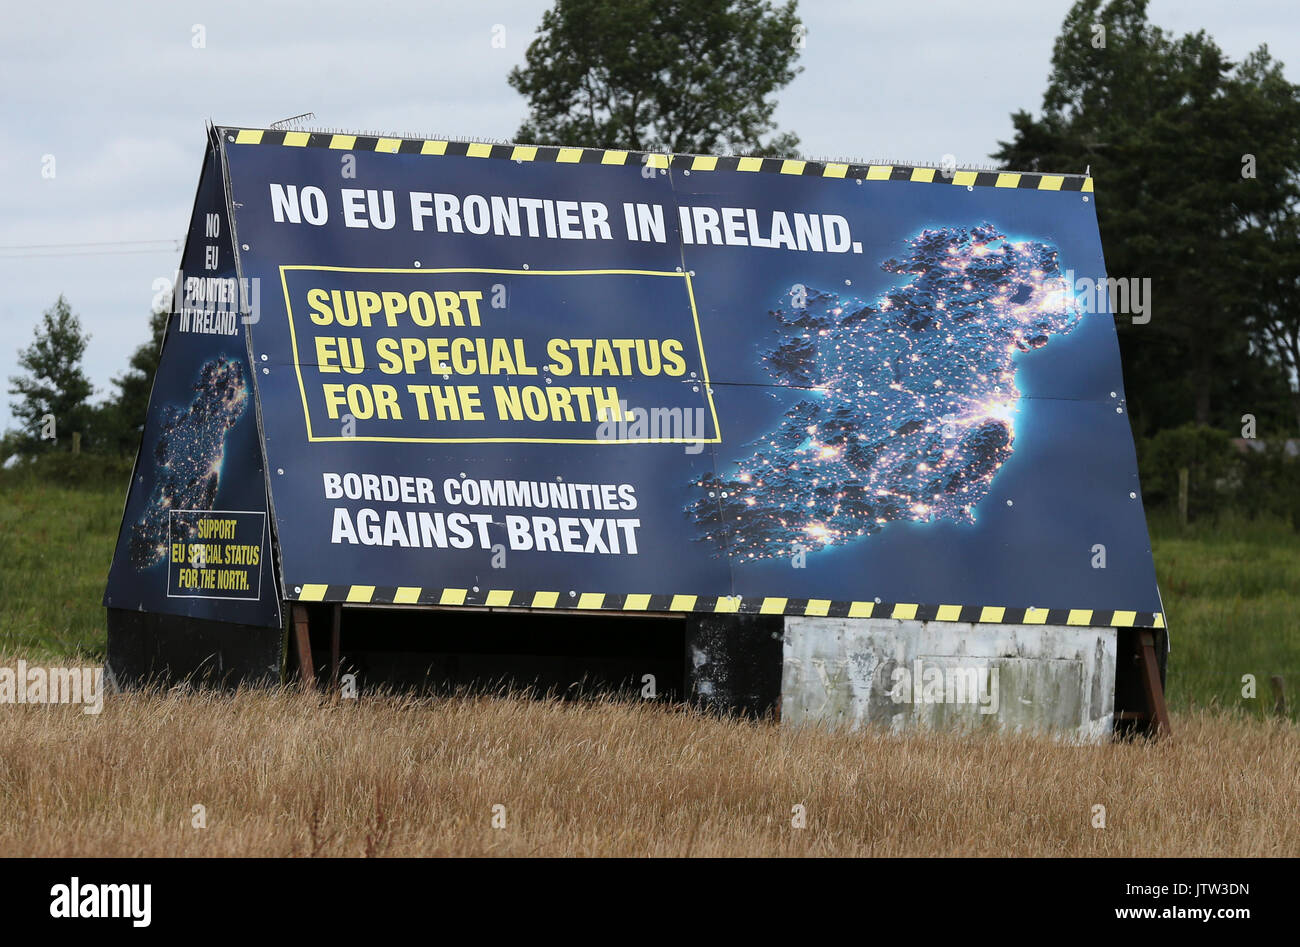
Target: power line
point(36, 256)
point(83, 243)
point(38, 250)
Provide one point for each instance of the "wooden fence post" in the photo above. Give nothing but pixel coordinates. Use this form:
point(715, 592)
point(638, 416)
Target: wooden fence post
point(1182, 495)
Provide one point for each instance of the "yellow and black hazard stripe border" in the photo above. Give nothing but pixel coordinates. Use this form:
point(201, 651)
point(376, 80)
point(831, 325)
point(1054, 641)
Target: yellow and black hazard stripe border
point(555, 155)
point(750, 605)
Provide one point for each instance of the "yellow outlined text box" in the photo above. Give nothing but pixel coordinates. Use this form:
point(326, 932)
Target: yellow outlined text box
point(302, 389)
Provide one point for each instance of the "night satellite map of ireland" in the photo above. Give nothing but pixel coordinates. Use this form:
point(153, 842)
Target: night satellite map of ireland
point(910, 399)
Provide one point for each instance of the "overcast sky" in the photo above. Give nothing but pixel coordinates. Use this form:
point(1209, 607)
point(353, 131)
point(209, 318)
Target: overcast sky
point(118, 94)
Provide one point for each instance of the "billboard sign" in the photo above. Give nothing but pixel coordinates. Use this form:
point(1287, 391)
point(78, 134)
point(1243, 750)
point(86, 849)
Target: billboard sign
point(499, 375)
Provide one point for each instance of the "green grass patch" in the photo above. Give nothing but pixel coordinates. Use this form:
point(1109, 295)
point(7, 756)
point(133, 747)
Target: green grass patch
point(1231, 590)
point(56, 543)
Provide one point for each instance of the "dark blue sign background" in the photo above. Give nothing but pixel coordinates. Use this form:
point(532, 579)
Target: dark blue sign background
point(199, 449)
point(1069, 485)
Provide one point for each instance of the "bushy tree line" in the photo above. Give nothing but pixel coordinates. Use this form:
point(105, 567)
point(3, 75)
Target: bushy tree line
point(1222, 473)
point(1196, 161)
point(53, 395)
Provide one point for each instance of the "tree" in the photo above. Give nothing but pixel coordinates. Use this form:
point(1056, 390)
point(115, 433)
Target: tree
point(660, 75)
point(121, 418)
point(1271, 272)
point(54, 386)
point(1277, 322)
point(1192, 155)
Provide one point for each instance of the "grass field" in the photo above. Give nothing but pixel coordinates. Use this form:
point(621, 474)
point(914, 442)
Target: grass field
point(1232, 593)
point(281, 773)
point(56, 543)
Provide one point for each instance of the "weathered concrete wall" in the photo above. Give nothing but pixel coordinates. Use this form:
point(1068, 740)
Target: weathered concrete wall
point(904, 674)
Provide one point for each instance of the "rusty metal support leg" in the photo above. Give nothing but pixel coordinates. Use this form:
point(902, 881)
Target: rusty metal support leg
point(334, 648)
point(1155, 694)
point(302, 638)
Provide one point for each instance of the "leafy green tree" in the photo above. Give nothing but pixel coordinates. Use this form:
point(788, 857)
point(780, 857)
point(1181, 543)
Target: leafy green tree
point(1273, 269)
point(1193, 156)
point(121, 418)
point(660, 75)
point(54, 384)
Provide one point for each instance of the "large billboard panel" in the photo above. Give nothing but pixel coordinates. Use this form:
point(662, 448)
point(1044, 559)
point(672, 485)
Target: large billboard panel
point(565, 378)
point(196, 538)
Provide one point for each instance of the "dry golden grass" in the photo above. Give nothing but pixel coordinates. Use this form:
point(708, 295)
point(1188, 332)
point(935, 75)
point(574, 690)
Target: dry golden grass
point(281, 773)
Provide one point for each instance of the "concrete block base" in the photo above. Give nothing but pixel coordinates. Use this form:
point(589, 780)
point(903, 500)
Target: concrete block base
point(947, 675)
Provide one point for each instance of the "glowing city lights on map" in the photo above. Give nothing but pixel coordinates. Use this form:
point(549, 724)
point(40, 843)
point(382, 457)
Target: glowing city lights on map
point(189, 455)
point(909, 401)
